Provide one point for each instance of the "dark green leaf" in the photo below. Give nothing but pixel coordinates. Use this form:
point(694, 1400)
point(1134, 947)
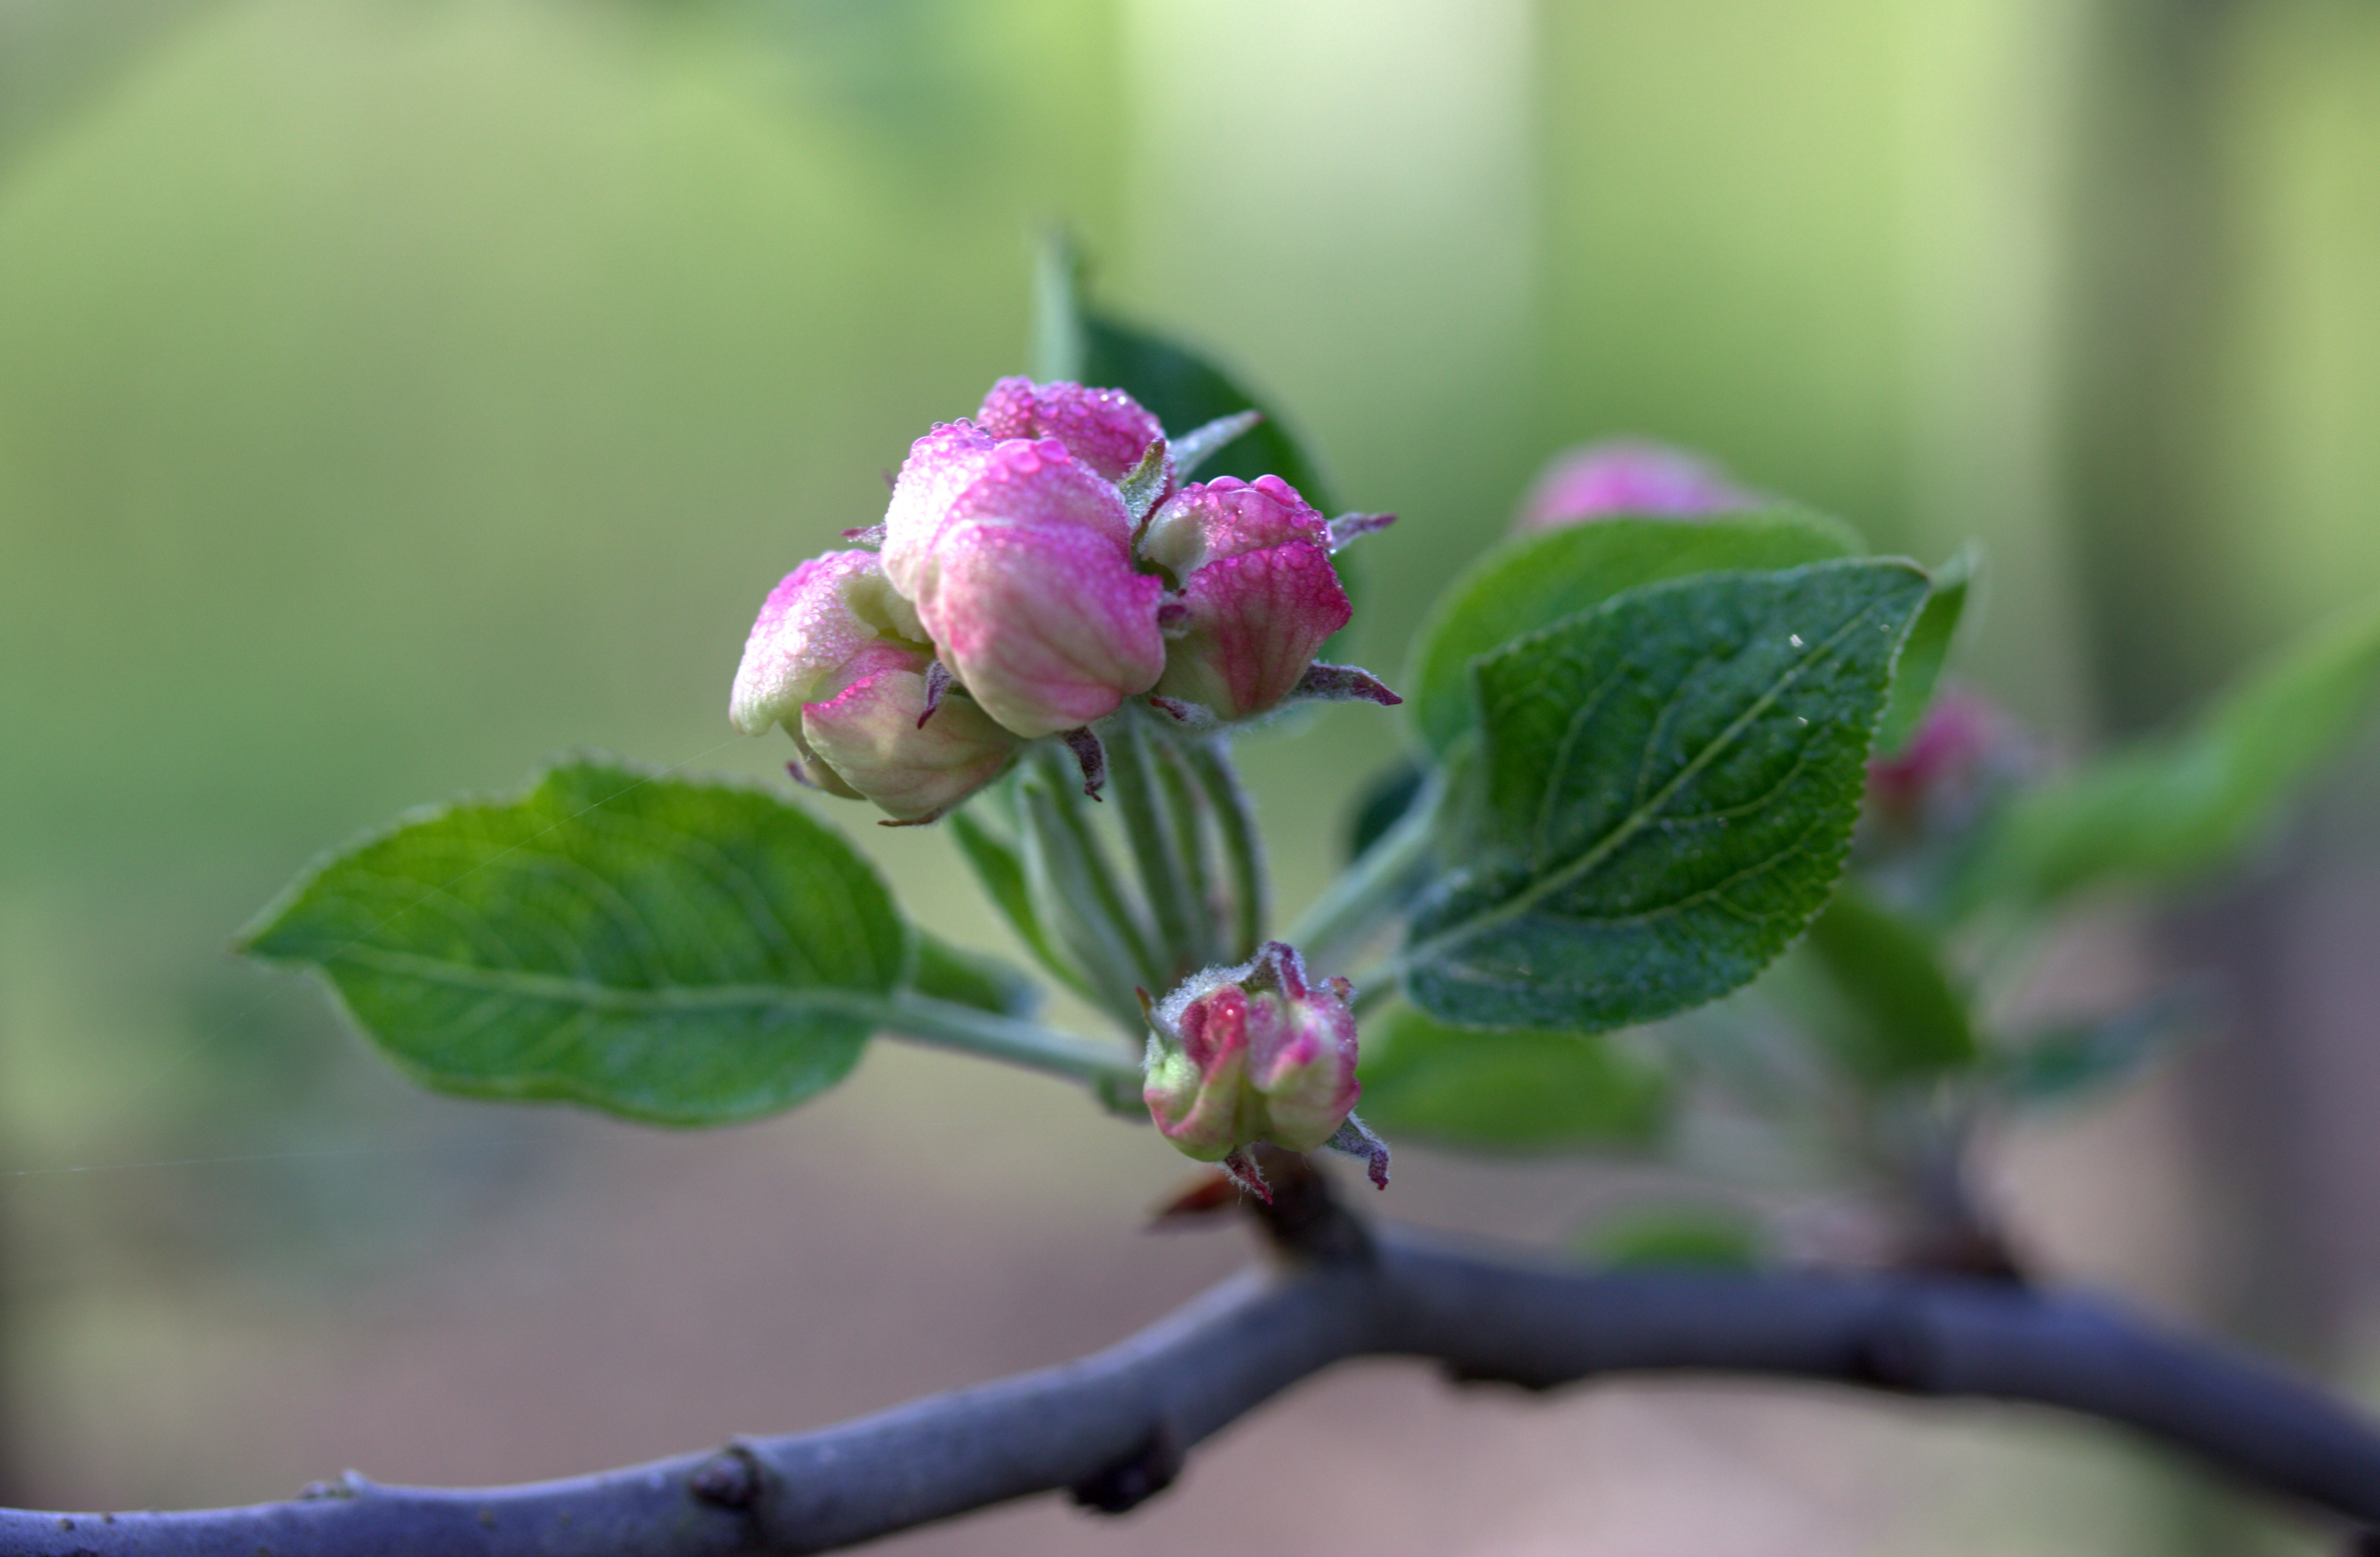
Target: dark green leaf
point(1697, 1237)
point(1902, 1018)
point(1533, 581)
point(1511, 1091)
point(2161, 811)
point(1927, 652)
point(1074, 340)
point(1382, 803)
point(965, 976)
point(1670, 786)
point(677, 952)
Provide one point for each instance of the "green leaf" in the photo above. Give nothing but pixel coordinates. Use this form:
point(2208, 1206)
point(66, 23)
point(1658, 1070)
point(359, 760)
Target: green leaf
point(965, 976)
point(1515, 1090)
point(1669, 786)
point(1923, 657)
point(672, 951)
point(1902, 1017)
point(1696, 1237)
point(1533, 581)
point(2163, 809)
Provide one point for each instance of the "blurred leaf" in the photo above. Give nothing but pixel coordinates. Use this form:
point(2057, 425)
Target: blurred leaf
point(1927, 652)
point(2162, 810)
point(2069, 1063)
point(1511, 1091)
point(1671, 784)
point(965, 976)
point(1535, 581)
point(1074, 340)
point(670, 950)
point(1906, 1018)
point(1382, 803)
point(1695, 1237)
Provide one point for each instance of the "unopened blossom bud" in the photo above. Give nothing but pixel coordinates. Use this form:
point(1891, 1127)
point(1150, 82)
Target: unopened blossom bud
point(1251, 1054)
point(840, 660)
point(1600, 480)
point(1962, 755)
point(1105, 429)
point(1018, 559)
point(1257, 596)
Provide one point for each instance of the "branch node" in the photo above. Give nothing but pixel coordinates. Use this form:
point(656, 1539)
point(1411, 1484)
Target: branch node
point(1148, 1470)
point(1305, 1221)
point(1896, 1354)
point(731, 1479)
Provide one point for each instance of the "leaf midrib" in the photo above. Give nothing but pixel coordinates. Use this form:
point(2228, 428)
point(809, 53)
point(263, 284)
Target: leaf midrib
point(1525, 901)
point(674, 999)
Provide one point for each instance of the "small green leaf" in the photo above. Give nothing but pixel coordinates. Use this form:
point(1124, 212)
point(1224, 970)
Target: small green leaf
point(1928, 652)
point(1533, 581)
point(965, 976)
point(2160, 810)
point(678, 952)
point(2069, 1064)
point(1902, 1017)
point(1670, 782)
point(1692, 1238)
point(1513, 1090)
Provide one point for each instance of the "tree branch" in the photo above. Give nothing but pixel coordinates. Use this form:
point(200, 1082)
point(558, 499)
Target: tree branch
point(1113, 1427)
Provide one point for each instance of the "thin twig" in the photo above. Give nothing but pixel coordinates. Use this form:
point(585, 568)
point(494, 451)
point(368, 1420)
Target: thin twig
point(1113, 1427)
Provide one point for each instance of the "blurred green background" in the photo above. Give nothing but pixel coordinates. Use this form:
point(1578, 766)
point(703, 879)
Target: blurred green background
point(394, 392)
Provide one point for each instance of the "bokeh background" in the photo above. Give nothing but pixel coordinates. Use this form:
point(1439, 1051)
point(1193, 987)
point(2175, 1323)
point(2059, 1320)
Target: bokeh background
point(394, 391)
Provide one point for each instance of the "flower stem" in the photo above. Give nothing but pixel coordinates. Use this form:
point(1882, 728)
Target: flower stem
point(1182, 919)
point(1076, 886)
point(1243, 857)
point(1371, 892)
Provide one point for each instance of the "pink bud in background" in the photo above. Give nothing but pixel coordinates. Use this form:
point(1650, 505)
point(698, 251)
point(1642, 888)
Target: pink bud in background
point(1018, 558)
point(839, 660)
point(1258, 594)
point(1626, 477)
point(1257, 1052)
point(1964, 752)
point(1105, 429)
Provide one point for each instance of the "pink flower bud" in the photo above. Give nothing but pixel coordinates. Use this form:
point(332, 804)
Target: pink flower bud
point(813, 622)
point(1625, 477)
point(1238, 1055)
point(1105, 429)
point(1258, 598)
point(1018, 557)
point(875, 737)
point(839, 660)
point(1963, 754)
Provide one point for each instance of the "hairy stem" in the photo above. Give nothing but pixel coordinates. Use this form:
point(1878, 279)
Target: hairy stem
point(1244, 856)
point(1100, 1062)
point(1076, 887)
point(1371, 892)
point(1155, 845)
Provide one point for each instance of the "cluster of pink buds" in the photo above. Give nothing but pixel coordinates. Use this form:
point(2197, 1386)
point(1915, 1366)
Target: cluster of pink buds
point(1258, 1052)
point(1039, 564)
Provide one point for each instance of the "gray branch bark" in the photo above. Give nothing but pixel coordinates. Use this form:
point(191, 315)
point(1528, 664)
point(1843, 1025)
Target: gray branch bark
point(1113, 1427)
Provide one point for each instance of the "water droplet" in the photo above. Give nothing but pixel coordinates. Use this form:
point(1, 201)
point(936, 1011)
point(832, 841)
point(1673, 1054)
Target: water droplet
point(1795, 640)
